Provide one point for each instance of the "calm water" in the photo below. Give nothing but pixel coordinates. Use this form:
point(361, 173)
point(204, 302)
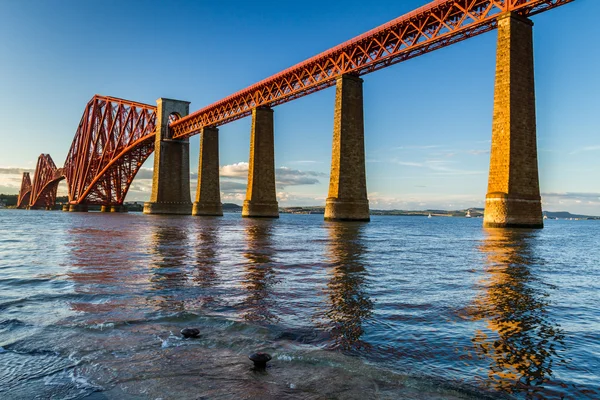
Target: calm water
point(401, 307)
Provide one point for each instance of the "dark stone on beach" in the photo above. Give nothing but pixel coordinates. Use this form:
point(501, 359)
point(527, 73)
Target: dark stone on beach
point(190, 332)
point(260, 360)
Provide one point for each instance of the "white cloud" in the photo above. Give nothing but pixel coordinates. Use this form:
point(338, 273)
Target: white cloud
point(237, 170)
point(284, 176)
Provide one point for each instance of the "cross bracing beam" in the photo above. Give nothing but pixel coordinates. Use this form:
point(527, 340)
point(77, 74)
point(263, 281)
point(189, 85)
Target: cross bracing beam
point(431, 27)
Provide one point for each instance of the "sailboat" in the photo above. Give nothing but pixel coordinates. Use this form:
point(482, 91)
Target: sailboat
point(468, 214)
point(429, 216)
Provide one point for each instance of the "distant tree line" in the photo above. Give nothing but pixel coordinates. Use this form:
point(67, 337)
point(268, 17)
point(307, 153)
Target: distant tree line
point(11, 199)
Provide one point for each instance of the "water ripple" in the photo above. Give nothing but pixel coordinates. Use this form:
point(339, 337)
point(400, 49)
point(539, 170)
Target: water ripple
point(397, 308)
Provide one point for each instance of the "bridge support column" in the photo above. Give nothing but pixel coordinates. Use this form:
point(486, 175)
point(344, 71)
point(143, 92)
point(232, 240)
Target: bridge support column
point(105, 209)
point(171, 180)
point(65, 207)
point(513, 198)
point(118, 208)
point(78, 208)
point(208, 192)
point(261, 199)
point(347, 200)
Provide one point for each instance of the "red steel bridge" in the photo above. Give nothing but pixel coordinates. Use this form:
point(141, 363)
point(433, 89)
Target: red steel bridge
point(116, 136)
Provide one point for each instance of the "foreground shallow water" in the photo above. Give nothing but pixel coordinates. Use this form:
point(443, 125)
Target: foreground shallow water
point(402, 307)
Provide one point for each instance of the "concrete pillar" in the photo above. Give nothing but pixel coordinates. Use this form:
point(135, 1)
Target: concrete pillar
point(171, 179)
point(513, 198)
point(261, 199)
point(65, 207)
point(105, 209)
point(347, 200)
point(118, 208)
point(208, 192)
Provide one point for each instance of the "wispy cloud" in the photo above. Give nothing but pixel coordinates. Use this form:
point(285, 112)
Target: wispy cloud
point(572, 195)
point(233, 187)
point(14, 170)
point(419, 147)
point(306, 162)
point(477, 152)
point(587, 203)
point(422, 201)
point(144, 173)
point(438, 167)
point(585, 149)
point(410, 164)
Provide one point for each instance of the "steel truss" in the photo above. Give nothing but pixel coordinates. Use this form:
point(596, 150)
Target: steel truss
point(45, 183)
point(436, 25)
point(113, 140)
point(25, 192)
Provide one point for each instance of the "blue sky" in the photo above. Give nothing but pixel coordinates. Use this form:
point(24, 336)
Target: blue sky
point(427, 121)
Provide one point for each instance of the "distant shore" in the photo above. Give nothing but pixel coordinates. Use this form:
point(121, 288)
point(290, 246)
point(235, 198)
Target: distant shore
point(10, 201)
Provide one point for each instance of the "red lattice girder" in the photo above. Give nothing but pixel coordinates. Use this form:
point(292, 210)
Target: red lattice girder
point(45, 183)
point(436, 25)
point(25, 192)
point(113, 140)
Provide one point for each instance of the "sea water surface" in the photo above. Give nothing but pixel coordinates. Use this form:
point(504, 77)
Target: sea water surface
point(91, 306)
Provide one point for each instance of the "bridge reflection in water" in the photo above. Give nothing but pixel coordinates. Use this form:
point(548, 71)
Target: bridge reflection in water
point(520, 340)
point(207, 257)
point(170, 255)
point(260, 276)
point(214, 268)
point(349, 303)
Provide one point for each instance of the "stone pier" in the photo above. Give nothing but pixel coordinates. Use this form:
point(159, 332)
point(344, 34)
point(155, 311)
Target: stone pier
point(261, 198)
point(78, 207)
point(208, 192)
point(105, 209)
point(171, 180)
point(347, 199)
point(513, 198)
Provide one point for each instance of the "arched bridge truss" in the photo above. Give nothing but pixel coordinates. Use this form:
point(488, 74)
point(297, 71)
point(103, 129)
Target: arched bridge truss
point(113, 139)
point(25, 192)
point(45, 183)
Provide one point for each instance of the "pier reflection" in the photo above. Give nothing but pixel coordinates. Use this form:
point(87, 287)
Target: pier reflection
point(520, 341)
point(101, 266)
point(169, 246)
point(204, 274)
point(349, 303)
point(259, 276)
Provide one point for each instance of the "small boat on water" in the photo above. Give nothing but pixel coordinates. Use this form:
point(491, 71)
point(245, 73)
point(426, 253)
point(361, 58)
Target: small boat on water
point(429, 216)
point(468, 214)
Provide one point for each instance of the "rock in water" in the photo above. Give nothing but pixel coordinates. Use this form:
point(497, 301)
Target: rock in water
point(260, 360)
point(190, 332)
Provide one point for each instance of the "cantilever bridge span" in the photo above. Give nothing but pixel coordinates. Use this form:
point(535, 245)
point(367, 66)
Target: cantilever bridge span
point(116, 136)
point(113, 139)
